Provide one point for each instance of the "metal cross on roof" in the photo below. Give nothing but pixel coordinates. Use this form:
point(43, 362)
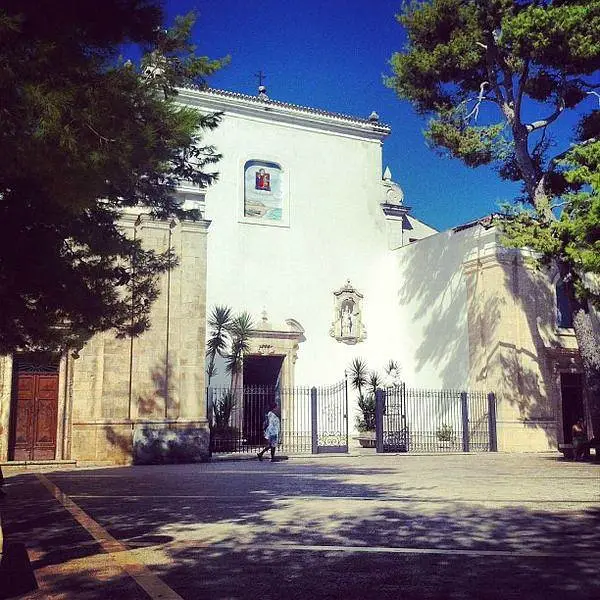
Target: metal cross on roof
point(260, 76)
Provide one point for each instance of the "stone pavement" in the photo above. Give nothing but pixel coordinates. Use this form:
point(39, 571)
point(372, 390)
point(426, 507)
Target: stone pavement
point(487, 526)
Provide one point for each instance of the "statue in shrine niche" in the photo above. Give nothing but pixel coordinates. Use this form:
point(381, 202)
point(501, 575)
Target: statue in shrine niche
point(347, 326)
point(346, 318)
point(263, 180)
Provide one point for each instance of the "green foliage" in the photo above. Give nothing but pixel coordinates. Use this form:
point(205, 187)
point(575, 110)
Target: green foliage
point(483, 60)
point(573, 238)
point(240, 330)
point(229, 337)
point(445, 433)
point(358, 375)
point(374, 382)
point(481, 68)
point(361, 378)
point(222, 408)
point(475, 146)
point(366, 420)
point(85, 135)
point(219, 322)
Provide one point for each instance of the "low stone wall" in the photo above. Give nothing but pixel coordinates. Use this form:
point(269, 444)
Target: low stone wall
point(170, 443)
point(123, 442)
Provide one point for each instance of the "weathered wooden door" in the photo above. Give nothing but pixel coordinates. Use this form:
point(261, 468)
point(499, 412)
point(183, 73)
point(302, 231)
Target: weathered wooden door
point(35, 409)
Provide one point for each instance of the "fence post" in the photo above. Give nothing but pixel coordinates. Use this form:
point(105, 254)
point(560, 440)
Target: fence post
point(346, 410)
point(209, 418)
point(492, 422)
point(464, 404)
point(379, 410)
point(314, 421)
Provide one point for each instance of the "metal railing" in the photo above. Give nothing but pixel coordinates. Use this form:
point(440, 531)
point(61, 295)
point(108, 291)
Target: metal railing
point(313, 419)
point(418, 420)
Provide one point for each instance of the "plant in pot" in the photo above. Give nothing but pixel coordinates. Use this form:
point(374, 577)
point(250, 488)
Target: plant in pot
point(229, 339)
point(223, 436)
point(365, 421)
point(360, 380)
point(445, 436)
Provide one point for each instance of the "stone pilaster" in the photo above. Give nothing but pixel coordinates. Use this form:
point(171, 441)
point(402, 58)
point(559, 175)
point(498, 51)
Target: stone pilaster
point(5, 396)
point(507, 299)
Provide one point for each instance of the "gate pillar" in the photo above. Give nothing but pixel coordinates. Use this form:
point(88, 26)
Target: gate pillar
point(379, 410)
point(314, 421)
point(493, 439)
point(464, 404)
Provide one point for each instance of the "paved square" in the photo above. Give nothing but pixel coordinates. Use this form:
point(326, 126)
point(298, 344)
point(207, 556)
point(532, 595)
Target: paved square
point(487, 526)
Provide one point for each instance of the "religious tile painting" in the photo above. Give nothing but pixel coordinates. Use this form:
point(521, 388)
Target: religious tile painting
point(263, 191)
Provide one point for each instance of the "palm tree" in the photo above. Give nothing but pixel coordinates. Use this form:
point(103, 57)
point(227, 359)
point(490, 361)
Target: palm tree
point(240, 330)
point(374, 382)
point(358, 375)
point(219, 323)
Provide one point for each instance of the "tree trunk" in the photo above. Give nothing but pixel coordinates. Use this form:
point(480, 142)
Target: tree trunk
point(588, 341)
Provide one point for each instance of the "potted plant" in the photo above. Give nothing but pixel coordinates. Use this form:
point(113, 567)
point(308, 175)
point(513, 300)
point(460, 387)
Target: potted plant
point(366, 383)
point(224, 437)
point(365, 420)
point(445, 436)
point(229, 338)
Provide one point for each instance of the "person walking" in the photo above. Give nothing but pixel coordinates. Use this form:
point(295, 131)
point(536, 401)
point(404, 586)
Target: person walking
point(272, 430)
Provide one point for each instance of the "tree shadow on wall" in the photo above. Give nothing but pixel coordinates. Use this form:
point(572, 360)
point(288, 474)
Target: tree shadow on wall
point(153, 437)
point(434, 293)
point(436, 288)
point(524, 360)
point(240, 533)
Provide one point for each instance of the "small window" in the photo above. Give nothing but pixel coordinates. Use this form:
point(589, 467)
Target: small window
point(564, 314)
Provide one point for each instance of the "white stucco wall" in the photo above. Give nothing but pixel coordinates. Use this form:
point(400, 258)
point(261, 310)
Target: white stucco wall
point(337, 231)
point(432, 309)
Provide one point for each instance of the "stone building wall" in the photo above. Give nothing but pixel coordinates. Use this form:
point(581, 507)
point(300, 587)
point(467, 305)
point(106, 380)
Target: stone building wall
point(475, 315)
point(144, 399)
point(514, 345)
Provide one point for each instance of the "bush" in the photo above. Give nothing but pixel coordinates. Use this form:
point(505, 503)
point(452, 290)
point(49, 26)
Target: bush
point(445, 433)
point(366, 421)
point(222, 408)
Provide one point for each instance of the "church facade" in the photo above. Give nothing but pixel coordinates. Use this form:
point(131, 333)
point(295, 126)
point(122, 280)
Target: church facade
point(305, 232)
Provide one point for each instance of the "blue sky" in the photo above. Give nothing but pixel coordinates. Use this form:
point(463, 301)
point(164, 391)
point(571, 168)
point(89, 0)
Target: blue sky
point(333, 54)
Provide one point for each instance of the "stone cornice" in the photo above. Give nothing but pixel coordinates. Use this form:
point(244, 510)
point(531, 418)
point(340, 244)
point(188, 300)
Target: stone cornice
point(282, 112)
point(394, 210)
point(137, 217)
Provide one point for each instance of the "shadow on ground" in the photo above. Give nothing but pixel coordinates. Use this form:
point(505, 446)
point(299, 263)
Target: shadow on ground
point(302, 532)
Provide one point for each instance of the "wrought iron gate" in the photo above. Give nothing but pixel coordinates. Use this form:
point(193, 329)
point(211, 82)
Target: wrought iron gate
point(329, 411)
point(411, 420)
point(313, 419)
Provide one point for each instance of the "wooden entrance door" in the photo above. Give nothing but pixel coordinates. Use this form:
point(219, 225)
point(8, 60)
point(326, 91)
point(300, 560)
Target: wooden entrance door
point(35, 409)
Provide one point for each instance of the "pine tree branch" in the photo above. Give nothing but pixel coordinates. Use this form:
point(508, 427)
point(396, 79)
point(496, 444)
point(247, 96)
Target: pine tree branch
point(491, 71)
point(562, 154)
point(521, 88)
point(545, 122)
point(480, 98)
point(595, 94)
point(586, 84)
point(103, 138)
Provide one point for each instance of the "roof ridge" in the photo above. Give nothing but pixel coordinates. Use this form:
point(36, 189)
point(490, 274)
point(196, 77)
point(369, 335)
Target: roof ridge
point(299, 107)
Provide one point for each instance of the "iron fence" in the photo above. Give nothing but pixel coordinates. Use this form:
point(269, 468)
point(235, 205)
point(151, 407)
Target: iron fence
point(313, 419)
point(416, 420)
